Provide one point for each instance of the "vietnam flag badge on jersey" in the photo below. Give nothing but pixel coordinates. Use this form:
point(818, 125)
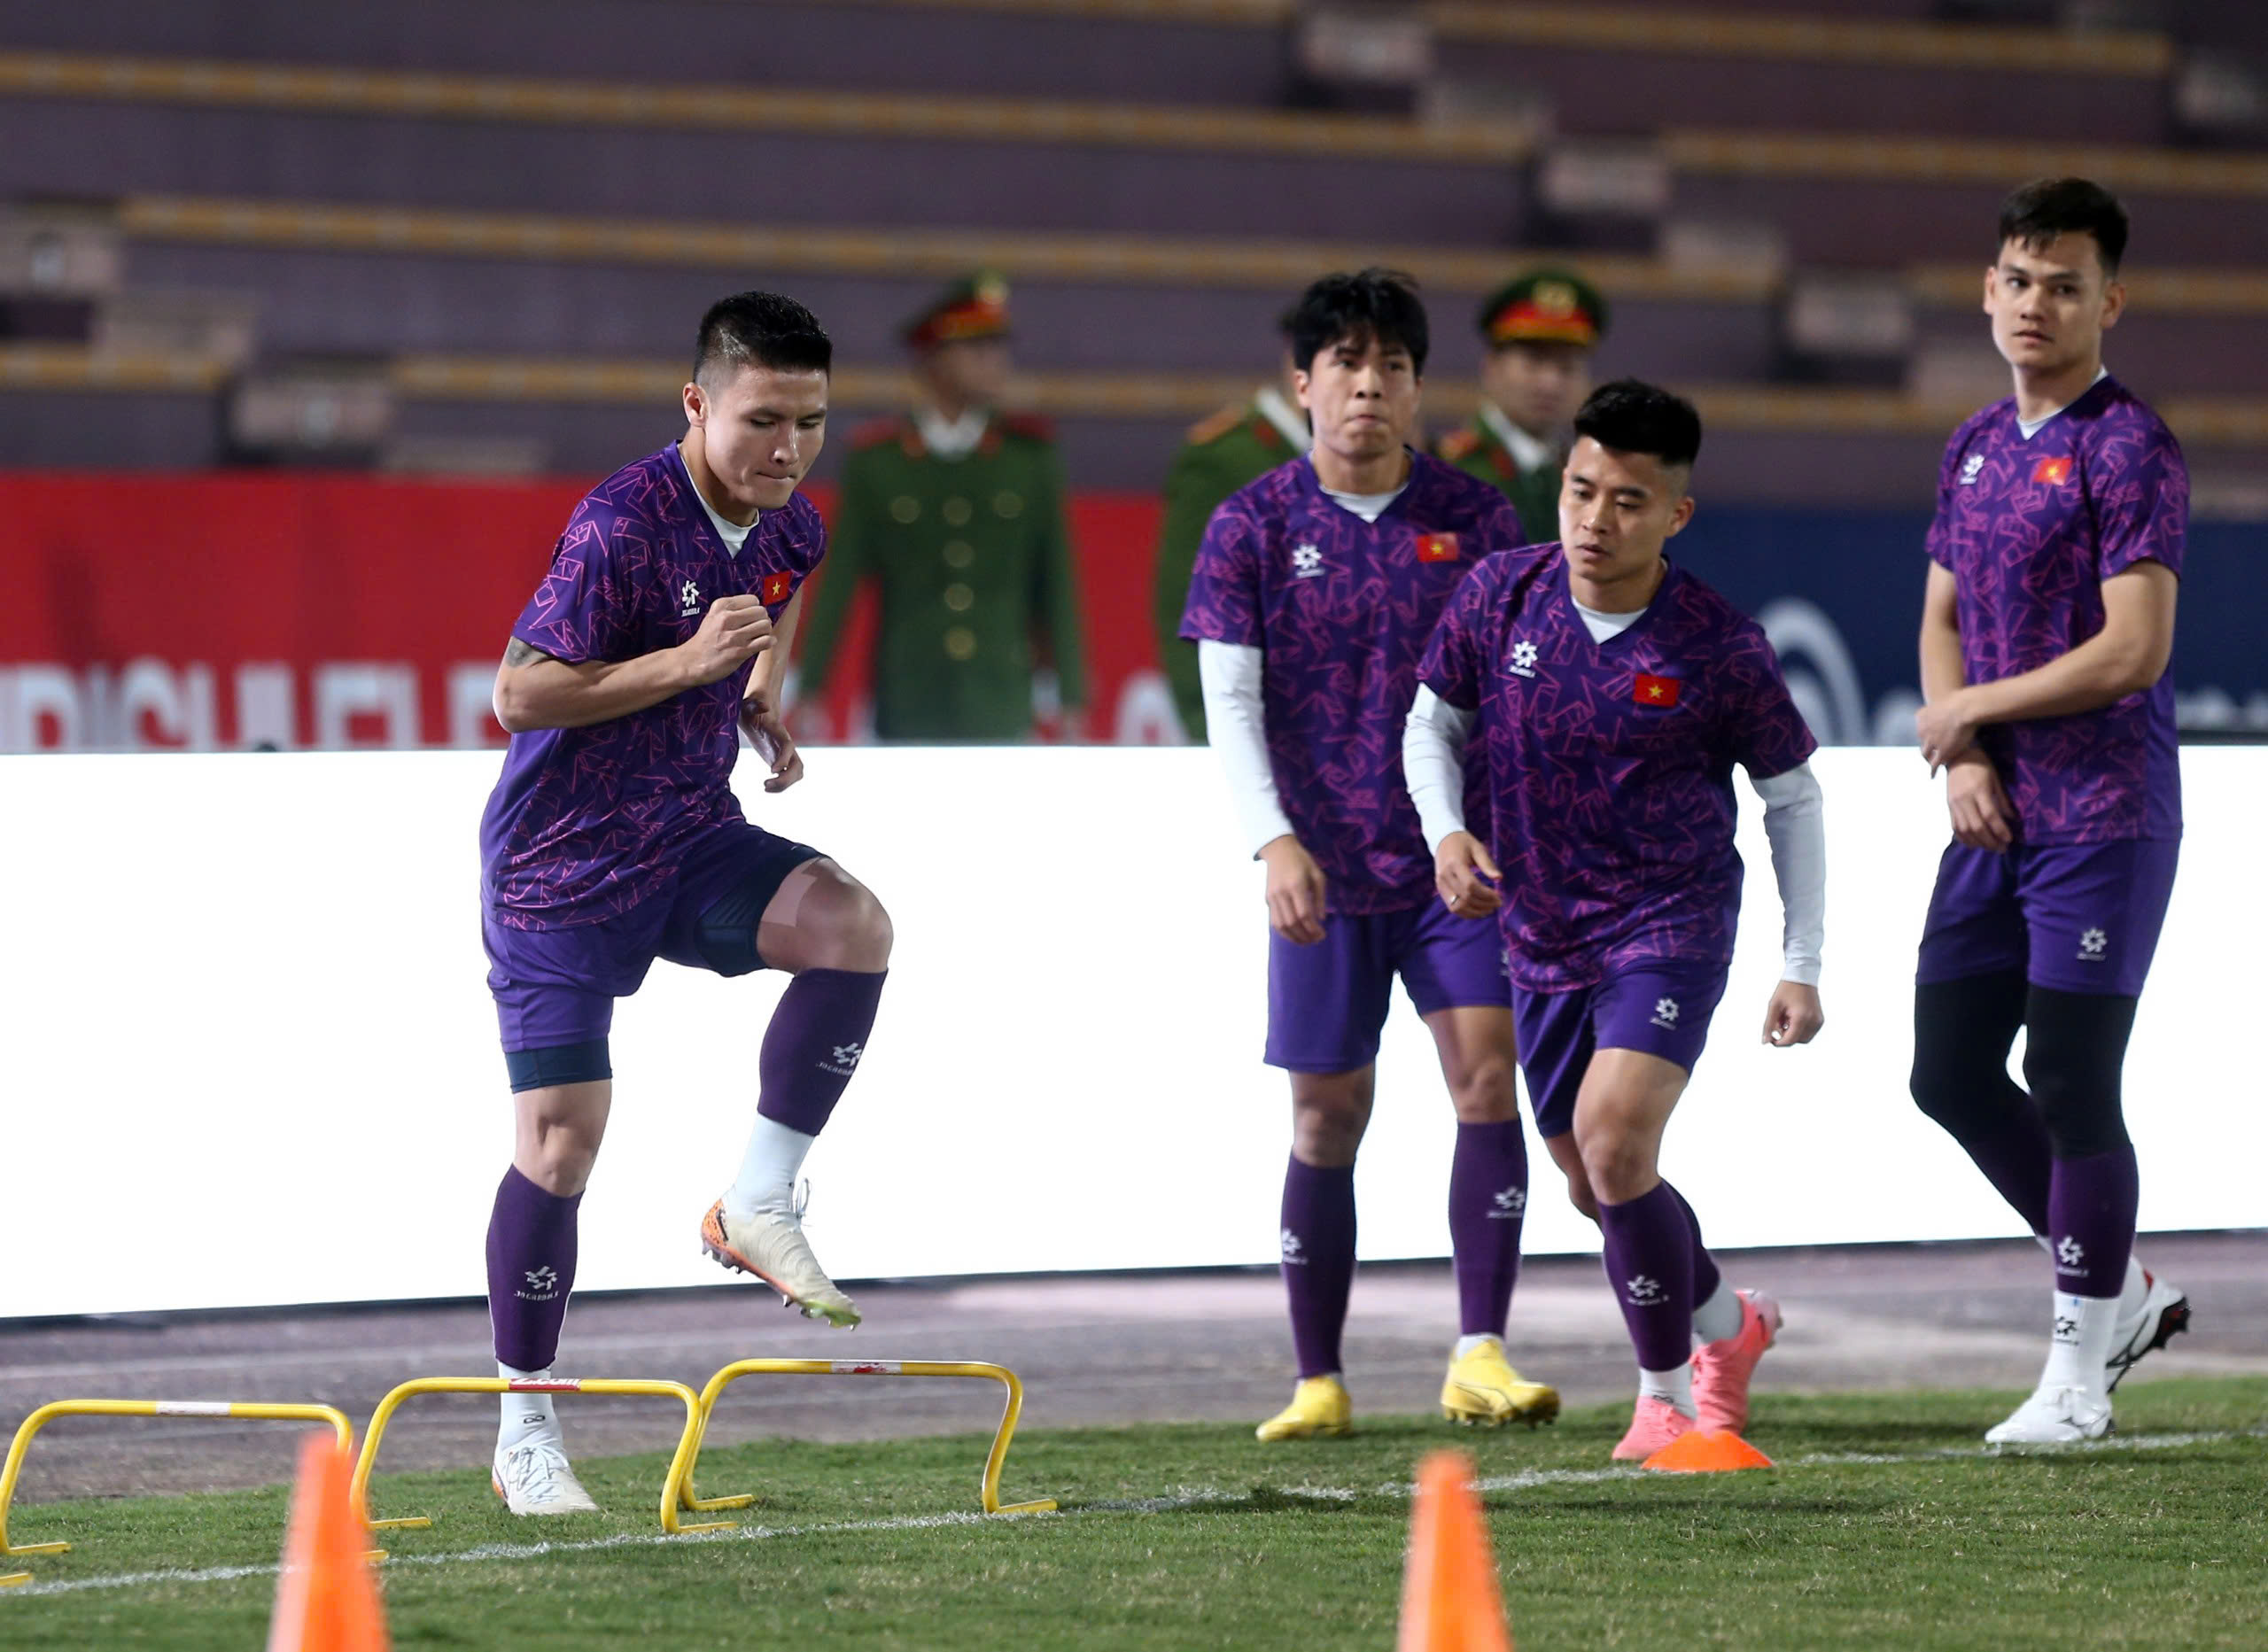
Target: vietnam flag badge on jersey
point(776, 588)
point(2053, 472)
point(1655, 691)
point(1437, 548)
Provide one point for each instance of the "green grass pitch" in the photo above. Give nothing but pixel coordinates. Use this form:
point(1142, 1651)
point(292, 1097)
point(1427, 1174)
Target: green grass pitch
point(1885, 1525)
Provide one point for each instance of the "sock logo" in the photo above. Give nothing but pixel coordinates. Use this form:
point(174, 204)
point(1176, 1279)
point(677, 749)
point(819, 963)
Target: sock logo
point(1289, 1243)
point(1508, 1205)
point(2070, 1253)
point(846, 1059)
point(542, 1285)
point(1665, 1013)
point(1645, 1291)
point(2067, 1330)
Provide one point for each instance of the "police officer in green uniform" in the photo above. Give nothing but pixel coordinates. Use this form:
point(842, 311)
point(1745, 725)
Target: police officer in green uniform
point(1239, 443)
point(1540, 330)
point(956, 511)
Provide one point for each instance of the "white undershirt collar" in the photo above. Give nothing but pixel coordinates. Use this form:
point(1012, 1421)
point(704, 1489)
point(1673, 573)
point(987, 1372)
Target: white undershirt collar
point(1603, 625)
point(2030, 427)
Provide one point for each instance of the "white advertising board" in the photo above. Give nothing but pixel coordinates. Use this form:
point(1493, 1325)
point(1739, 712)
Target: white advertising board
point(250, 1058)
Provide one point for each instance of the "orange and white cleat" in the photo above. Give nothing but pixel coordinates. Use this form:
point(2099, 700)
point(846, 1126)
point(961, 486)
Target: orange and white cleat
point(772, 1247)
point(1722, 1369)
point(1653, 1425)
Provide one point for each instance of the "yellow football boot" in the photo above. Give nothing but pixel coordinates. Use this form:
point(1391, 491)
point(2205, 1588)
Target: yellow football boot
point(1320, 1409)
point(1483, 1389)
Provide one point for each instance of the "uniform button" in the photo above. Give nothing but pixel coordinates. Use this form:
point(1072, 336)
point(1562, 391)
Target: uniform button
point(958, 511)
point(960, 643)
point(957, 597)
point(1006, 504)
point(959, 553)
point(904, 508)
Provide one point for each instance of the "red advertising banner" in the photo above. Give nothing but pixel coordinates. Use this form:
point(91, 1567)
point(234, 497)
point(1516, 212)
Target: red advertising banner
point(233, 610)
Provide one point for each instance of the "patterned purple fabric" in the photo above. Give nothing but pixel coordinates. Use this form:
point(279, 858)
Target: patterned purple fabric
point(1611, 763)
point(585, 823)
point(2029, 531)
point(1341, 608)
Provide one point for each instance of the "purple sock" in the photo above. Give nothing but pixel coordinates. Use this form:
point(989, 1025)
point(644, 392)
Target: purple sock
point(818, 1033)
point(1650, 1265)
point(1705, 1276)
point(2090, 1222)
point(1488, 1198)
point(1318, 1240)
point(531, 1270)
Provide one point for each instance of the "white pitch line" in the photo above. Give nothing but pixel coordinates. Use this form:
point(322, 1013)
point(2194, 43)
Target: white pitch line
point(1194, 1497)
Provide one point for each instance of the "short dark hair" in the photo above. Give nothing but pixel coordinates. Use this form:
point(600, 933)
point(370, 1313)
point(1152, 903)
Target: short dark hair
point(2048, 207)
point(762, 330)
point(1632, 416)
point(1374, 303)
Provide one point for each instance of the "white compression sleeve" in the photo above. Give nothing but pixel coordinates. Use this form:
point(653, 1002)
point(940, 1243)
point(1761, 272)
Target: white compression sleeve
point(1433, 763)
point(1795, 821)
point(1230, 674)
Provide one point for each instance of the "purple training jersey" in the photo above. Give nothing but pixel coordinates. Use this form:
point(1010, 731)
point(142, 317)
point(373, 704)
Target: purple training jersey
point(1610, 763)
point(1341, 609)
point(2030, 529)
point(586, 823)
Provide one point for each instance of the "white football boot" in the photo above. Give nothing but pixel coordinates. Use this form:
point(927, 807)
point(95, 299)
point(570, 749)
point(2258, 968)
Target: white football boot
point(771, 1246)
point(2164, 1314)
point(2056, 1414)
point(533, 1478)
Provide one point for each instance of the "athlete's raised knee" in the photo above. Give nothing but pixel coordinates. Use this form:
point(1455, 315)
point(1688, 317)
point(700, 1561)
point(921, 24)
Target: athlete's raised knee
point(839, 924)
point(1619, 1164)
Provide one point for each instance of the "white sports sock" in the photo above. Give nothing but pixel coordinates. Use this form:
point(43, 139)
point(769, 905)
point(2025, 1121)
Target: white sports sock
point(524, 1415)
point(767, 1178)
point(2084, 1326)
point(1466, 1345)
point(1720, 1317)
point(2134, 1291)
point(1673, 1387)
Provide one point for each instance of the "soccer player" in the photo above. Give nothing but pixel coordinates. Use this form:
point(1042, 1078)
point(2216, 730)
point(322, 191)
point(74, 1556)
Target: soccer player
point(613, 838)
point(2046, 626)
point(1612, 693)
point(1313, 594)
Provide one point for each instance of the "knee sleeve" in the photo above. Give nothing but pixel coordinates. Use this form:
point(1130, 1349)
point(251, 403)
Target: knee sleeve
point(1962, 1032)
point(2075, 1045)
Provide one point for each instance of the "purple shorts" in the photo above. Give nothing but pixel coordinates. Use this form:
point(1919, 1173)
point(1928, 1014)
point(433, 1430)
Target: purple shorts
point(1660, 1009)
point(1328, 1003)
point(2074, 916)
point(556, 986)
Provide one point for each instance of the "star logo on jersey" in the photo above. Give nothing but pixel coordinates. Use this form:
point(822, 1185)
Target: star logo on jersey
point(846, 1060)
point(1523, 658)
point(776, 588)
point(2071, 1253)
point(2092, 943)
point(1437, 548)
point(1306, 561)
point(1288, 1242)
point(1971, 468)
point(1509, 1206)
point(2052, 472)
point(688, 596)
point(1665, 1013)
point(1655, 691)
point(1644, 1290)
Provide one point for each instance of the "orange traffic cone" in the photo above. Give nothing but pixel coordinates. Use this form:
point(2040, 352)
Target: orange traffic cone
point(1706, 1451)
point(1450, 1601)
point(326, 1599)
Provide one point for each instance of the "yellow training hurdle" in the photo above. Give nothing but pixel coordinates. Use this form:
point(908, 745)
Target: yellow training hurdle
point(999, 1455)
point(243, 1410)
point(680, 1474)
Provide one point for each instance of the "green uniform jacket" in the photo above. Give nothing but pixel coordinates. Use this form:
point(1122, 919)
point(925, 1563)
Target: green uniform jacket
point(1235, 446)
point(972, 560)
point(1476, 451)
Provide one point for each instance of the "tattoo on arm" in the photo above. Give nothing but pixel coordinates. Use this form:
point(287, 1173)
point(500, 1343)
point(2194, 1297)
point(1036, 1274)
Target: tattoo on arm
point(518, 653)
